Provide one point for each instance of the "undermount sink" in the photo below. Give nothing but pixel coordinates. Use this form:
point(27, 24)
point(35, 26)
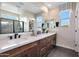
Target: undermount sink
point(16, 42)
point(12, 43)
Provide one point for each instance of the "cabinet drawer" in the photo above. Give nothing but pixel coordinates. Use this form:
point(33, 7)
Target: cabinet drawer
point(20, 51)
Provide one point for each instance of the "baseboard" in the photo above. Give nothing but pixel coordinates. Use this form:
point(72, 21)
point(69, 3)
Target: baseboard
point(65, 47)
point(78, 54)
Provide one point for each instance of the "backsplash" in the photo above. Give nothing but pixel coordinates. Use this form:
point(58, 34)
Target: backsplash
point(6, 36)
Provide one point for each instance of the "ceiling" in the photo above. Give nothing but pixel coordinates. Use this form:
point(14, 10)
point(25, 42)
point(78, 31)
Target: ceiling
point(35, 7)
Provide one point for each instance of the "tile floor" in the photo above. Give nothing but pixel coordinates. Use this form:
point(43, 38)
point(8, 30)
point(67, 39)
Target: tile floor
point(62, 52)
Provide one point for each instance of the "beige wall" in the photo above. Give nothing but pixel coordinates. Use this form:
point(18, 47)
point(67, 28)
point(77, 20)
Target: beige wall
point(53, 13)
point(28, 14)
point(10, 8)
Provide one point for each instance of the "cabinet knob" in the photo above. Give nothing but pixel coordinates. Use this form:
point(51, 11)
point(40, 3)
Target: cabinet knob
point(75, 44)
point(75, 30)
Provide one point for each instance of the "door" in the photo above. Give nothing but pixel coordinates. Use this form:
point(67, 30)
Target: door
point(77, 28)
point(66, 29)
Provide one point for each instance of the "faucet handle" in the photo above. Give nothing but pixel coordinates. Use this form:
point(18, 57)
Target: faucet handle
point(10, 37)
point(19, 36)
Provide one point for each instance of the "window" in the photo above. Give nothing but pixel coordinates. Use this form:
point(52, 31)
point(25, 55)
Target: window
point(65, 17)
point(39, 21)
point(52, 24)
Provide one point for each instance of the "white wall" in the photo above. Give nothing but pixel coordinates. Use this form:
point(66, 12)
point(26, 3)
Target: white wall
point(15, 10)
point(10, 8)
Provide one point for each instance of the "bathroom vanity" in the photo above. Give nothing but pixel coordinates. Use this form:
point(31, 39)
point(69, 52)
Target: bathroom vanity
point(37, 46)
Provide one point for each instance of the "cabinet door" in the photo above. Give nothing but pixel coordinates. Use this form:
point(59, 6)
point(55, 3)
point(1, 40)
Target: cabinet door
point(49, 46)
point(29, 50)
point(54, 39)
point(32, 51)
point(43, 43)
point(43, 51)
point(18, 55)
point(42, 47)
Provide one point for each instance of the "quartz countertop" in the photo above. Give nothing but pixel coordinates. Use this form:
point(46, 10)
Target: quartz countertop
point(7, 45)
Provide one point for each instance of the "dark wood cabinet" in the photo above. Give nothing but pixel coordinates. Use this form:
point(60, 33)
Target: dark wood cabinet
point(43, 51)
point(53, 40)
point(42, 47)
point(39, 48)
point(32, 51)
point(46, 45)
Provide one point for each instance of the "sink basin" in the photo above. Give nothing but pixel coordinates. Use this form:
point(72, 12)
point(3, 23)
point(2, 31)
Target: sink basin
point(12, 43)
point(16, 42)
point(7, 46)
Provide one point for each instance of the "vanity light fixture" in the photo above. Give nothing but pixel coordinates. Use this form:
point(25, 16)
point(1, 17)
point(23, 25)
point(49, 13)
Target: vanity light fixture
point(4, 23)
point(49, 5)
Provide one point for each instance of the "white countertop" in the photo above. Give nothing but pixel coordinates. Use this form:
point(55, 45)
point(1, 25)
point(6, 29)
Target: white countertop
point(6, 45)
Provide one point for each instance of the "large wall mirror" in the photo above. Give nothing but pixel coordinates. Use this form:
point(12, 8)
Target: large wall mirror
point(11, 26)
point(18, 26)
point(6, 26)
